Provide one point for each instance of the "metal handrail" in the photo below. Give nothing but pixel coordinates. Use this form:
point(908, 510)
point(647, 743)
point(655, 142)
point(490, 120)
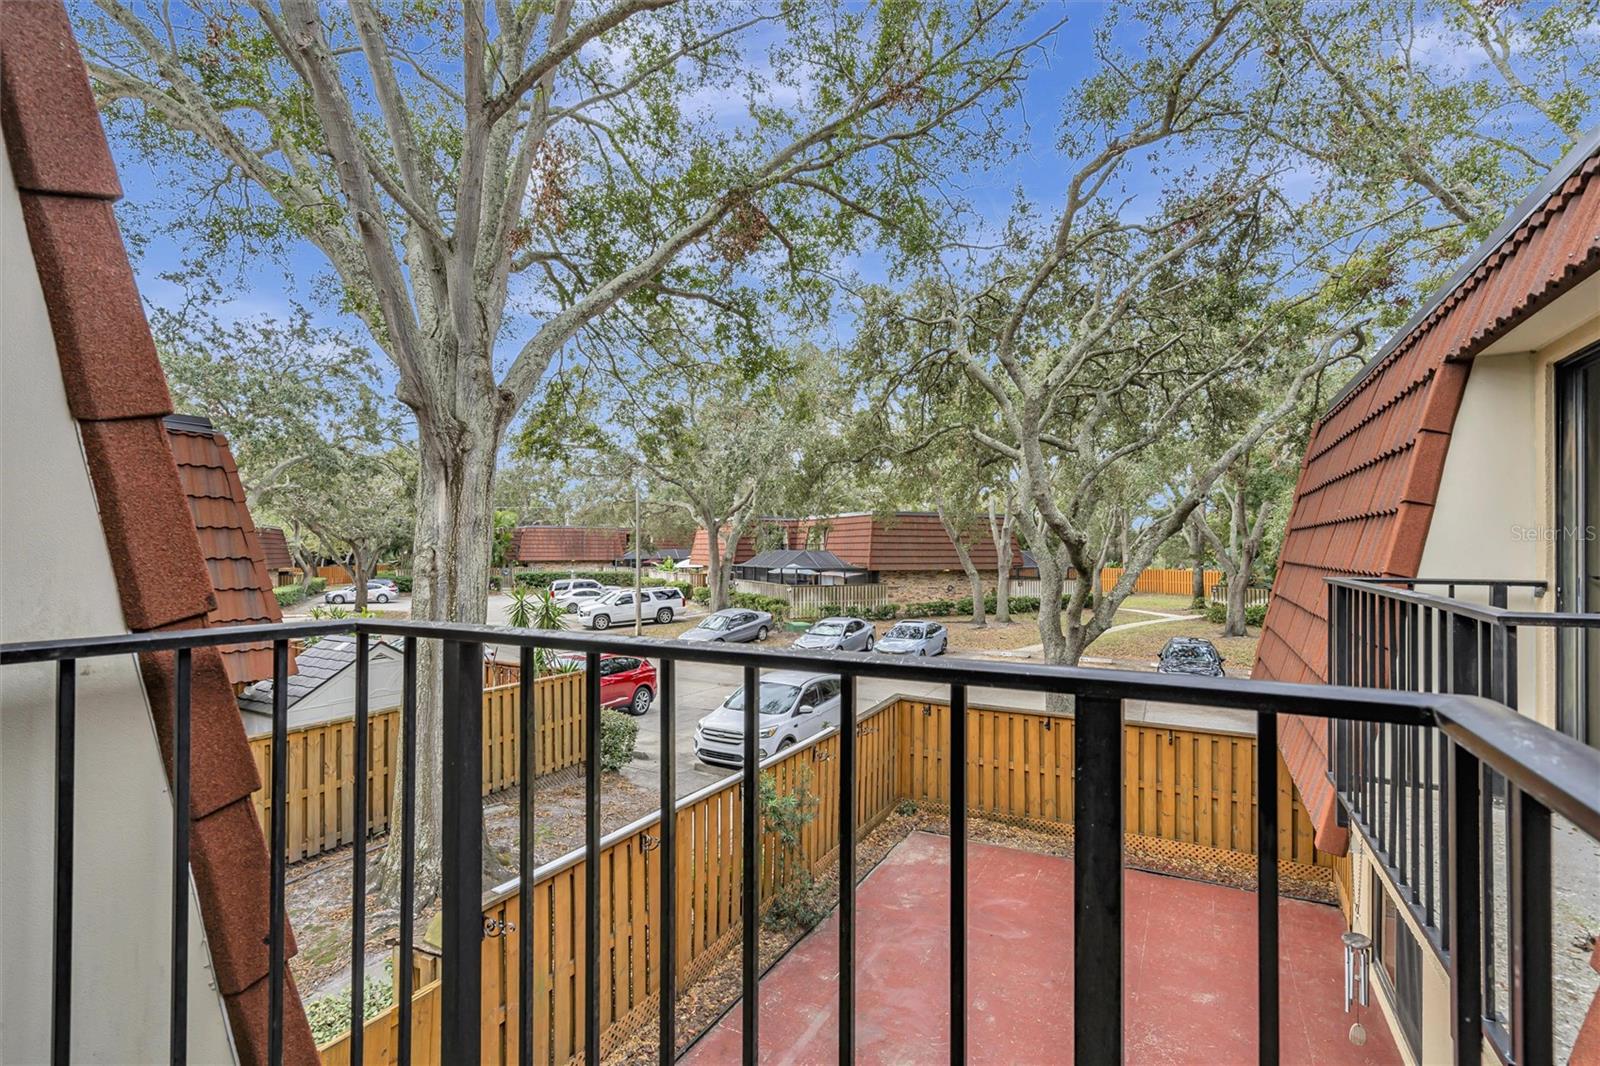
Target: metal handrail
point(1549, 772)
point(1476, 611)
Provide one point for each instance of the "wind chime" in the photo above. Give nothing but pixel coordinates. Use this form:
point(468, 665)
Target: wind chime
point(1357, 960)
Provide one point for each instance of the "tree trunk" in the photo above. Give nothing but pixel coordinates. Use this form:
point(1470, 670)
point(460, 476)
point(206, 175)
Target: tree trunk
point(452, 540)
point(1001, 533)
point(716, 580)
point(1238, 585)
point(974, 579)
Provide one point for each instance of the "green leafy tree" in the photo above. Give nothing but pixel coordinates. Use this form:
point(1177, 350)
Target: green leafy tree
point(488, 182)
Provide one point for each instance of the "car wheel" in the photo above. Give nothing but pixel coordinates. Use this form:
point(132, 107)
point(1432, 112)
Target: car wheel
point(571, 608)
point(641, 700)
point(761, 634)
point(869, 644)
point(340, 599)
point(602, 621)
point(788, 742)
point(383, 597)
point(664, 615)
point(922, 650)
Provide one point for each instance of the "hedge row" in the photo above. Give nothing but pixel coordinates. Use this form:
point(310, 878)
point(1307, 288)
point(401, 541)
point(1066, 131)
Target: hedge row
point(1255, 615)
point(289, 595)
point(963, 606)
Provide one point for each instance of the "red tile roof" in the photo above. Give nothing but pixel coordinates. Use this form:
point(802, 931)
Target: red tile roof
point(700, 552)
point(1371, 474)
point(567, 544)
point(228, 540)
point(275, 547)
point(903, 541)
point(117, 392)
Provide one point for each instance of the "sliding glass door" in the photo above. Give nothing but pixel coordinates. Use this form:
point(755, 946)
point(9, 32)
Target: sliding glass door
point(1577, 553)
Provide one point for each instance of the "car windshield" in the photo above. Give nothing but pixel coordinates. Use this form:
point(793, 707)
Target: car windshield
point(1190, 653)
point(717, 621)
point(827, 629)
point(776, 698)
point(903, 632)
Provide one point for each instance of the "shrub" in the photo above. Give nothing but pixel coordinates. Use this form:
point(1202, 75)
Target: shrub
point(316, 585)
point(330, 1015)
point(1024, 604)
point(618, 733)
point(785, 815)
point(754, 601)
point(403, 582)
point(884, 613)
point(934, 608)
point(288, 595)
point(702, 594)
point(1256, 615)
point(1216, 613)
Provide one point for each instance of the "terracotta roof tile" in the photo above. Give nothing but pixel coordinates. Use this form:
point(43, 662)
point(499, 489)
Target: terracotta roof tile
point(52, 130)
point(234, 557)
point(160, 574)
point(1365, 497)
point(567, 544)
point(232, 870)
point(108, 359)
point(230, 770)
point(275, 547)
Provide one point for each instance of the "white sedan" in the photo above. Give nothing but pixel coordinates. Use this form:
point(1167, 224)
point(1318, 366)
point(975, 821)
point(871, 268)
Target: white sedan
point(377, 592)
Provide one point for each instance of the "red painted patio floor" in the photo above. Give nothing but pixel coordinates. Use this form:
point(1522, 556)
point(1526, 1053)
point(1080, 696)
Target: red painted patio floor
point(1189, 965)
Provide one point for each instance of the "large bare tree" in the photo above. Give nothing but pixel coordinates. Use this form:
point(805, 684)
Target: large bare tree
point(487, 181)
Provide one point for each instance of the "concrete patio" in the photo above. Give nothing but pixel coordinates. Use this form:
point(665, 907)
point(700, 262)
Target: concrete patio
point(1189, 959)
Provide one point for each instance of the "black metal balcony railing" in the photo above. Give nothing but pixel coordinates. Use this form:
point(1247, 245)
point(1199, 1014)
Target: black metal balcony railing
point(1432, 824)
point(1547, 772)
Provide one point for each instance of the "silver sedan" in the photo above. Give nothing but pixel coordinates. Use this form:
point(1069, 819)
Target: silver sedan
point(837, 634)
point(733, 625)
point(914, 637)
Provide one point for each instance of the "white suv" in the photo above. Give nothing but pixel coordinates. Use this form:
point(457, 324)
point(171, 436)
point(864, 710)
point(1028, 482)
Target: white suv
point(795, 706)
point(616, 607)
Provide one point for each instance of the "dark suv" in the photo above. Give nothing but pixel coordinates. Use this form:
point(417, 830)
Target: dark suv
point(1191, 655)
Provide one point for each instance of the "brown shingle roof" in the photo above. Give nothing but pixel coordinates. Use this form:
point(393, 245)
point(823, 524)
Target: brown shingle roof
point(275, 547)
point(904, 541)
point(1371, 474)
point(228, 540)
point(567, 544)
point(116, 390)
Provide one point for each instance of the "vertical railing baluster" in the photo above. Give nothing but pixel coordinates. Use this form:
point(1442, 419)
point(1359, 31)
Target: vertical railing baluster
point(358, 875)
point(1462, 904)
point(1267, 886)
point(1097, 881)
point(847, 868)
point(958, 874)
point(279, 845)
point(1529, 890)
point(591, 857)
point(61, 948)
point(461, 869)
point(750, 882)
point(178, 1026)
point(527, 860)
point(408, 840)
point(668, 895)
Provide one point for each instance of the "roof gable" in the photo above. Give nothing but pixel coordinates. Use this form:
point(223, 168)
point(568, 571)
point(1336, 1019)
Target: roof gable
point(1367, 488)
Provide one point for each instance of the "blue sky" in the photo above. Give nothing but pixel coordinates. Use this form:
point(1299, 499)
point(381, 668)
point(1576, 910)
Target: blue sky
point(265, 286)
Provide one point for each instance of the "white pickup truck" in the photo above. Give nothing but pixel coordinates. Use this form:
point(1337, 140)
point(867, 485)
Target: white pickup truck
point(616, 607)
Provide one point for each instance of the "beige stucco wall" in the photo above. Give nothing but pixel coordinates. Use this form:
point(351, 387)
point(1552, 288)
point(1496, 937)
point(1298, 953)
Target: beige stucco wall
point(56, 581)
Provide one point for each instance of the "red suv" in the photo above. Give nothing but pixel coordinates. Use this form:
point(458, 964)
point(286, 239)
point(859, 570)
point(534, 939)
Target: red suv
point(626, 683)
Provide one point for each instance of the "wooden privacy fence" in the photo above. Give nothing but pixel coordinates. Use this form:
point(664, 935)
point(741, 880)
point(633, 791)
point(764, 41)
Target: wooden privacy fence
point(1160, 582)
point(1254, 595)
point(708, 921)
point(321, 769)
point(1182, 785)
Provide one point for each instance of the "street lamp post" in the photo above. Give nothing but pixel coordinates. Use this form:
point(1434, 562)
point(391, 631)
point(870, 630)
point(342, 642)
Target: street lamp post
point(638, 564)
